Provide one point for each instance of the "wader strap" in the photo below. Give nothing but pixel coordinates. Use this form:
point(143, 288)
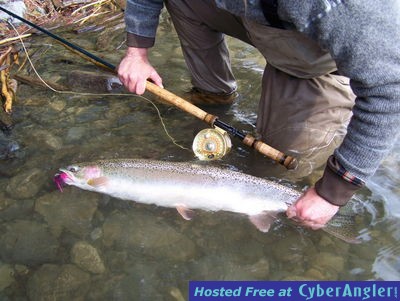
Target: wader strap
point(270, 11)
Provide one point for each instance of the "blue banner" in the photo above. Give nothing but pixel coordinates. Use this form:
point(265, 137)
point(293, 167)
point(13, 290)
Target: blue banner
point(294, 290)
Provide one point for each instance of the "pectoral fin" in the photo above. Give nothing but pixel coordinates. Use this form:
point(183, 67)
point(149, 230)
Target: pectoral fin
point(263, 221)
point(96, 182)
point(185, 212)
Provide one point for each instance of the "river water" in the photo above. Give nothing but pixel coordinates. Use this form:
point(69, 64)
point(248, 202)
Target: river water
point(79, 245)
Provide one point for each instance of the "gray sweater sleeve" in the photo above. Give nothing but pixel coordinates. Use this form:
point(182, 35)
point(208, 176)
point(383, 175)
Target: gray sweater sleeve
point(363, 37)
point(141, 19)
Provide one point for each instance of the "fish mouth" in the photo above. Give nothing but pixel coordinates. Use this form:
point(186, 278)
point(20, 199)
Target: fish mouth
point(61, 179)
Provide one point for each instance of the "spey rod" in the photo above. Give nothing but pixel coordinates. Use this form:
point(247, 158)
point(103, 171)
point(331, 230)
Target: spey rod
point(285, 160)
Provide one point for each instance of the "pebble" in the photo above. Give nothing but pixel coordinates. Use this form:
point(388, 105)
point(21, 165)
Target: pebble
point(87, 258)
point(53, 282)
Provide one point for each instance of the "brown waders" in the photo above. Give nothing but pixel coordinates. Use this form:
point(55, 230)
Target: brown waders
point(304, 108)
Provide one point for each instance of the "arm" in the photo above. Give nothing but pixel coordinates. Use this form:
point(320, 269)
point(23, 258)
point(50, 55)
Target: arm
point(363, 39)
point(141, 19)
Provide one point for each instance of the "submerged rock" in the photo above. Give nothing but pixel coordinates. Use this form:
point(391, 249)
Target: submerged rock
point(225, 268)
point(141, 281)
point(8, 148)
point(72, 210)
point(6, 276)
point(148, 235)
point(26, 184)
point(87, 258)
point(27, 242)
point(326, 266)
point(52, 282)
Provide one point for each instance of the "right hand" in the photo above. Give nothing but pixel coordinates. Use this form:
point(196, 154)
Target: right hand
point(312, 210)
point(135, 69)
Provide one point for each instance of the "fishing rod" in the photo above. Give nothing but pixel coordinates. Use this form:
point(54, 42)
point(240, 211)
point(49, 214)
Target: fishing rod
point(281, 158)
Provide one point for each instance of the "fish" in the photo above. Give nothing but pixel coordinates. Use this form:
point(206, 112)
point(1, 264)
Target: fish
point(188, 187)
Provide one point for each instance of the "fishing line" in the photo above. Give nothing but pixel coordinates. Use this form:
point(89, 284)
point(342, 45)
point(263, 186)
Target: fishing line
point(288, 161)
point(95, 94)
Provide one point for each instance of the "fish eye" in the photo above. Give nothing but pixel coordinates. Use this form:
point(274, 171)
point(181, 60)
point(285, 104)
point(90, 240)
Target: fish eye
point(73, 168)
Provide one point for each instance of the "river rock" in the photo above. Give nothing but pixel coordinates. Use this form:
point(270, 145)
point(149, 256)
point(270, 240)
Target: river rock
point(26, 184)
point(57, 105)
point(75, 133)
point(52, 282)
point(225, 268)
point(146, 234)
point(48, 139)
point(326, 266)
point(8, 148)
point(141, 280)
point(11, 209)
point(27, 242)
point(72, 210)
point(6, 276)
point(87, 258)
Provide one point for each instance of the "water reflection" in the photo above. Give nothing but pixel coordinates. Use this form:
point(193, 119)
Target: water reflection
point(140, 252)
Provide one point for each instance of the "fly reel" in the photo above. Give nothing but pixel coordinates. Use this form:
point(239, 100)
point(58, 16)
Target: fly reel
point(211, 144)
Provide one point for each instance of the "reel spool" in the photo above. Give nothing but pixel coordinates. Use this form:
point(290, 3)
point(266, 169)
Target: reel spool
point(211, 144)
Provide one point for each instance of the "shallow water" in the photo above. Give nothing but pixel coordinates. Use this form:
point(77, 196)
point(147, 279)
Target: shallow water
point(78, 245)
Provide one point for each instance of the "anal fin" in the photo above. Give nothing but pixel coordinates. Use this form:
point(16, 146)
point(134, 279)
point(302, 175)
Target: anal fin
point(263, 221)
point(185, 212)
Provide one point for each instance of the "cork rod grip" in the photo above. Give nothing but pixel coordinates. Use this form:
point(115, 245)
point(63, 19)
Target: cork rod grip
point(181, 103)
point(263, 148)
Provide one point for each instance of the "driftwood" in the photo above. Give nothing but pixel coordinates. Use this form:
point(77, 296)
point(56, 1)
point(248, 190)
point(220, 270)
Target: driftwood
point(8, 86)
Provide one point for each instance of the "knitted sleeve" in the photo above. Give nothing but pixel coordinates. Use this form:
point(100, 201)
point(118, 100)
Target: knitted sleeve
point(141, 19)
point(363, 37)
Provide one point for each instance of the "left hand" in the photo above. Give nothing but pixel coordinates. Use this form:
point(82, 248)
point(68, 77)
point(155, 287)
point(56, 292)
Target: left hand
point(312, 210)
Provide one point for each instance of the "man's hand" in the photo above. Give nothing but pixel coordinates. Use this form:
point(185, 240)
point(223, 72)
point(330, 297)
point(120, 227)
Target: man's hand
point(311, 210)
point(135, 69)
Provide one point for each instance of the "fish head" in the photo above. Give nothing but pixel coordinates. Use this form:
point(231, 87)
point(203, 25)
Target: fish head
point(79, 175)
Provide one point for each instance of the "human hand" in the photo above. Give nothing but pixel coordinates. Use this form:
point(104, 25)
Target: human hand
point(311, 210)
point(135, 69)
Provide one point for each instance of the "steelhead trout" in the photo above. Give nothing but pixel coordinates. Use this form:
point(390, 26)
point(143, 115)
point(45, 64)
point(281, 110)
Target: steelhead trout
point(185, 186)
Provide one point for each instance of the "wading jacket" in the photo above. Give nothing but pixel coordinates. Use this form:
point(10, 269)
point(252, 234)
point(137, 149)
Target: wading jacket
point(363, 37)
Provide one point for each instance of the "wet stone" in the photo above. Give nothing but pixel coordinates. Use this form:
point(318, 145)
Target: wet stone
point(96, 234)
point(225, 268)
point(71, 210)
point(52, 282)
point(57, 105)
point(21, 269)
point(11, 209)
point(48, 139)
point(140, 281)
point(87, 258)
point(75, 133)
point(28, 243)
point(89, 114)
point(146, 234)
point(26, 184)
point(326, 266)
point(8, 148)
point(290, 250)
point(6, 276)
